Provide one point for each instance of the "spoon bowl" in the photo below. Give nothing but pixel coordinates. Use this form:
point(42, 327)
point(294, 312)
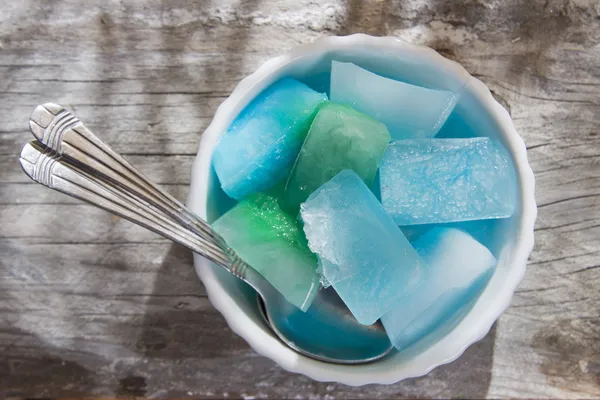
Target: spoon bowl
point(327, 331)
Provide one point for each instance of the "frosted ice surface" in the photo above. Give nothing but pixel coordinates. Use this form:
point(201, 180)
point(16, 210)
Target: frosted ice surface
point(446, 180)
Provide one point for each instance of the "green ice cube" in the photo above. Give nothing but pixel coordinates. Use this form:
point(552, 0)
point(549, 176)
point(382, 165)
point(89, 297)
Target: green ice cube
point(339, 138)
point(273, 243)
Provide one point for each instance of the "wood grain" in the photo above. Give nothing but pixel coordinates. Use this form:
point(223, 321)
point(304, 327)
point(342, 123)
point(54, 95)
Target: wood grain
point(91, 305)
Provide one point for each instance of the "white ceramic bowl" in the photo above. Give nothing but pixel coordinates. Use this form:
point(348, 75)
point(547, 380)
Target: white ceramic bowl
point(514, 238)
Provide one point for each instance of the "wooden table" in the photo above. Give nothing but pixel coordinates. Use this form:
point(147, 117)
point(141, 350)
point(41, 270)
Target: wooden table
point(91, 305)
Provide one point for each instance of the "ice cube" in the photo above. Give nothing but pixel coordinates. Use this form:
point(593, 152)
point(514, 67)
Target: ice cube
point(362, 252)
point(407, 110)
point(261, 144)
point(444, 180)
point(458, 267)
point(272, 242)
point(339, 138)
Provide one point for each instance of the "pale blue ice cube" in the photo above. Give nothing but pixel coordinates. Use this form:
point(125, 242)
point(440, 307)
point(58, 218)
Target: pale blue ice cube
point(446, 180)
point(260, 146)
point(363, 253)
point(407, 110)
point(458, 267)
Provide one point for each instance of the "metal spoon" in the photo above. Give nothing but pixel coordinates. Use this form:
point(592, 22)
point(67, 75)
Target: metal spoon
point(69, 158)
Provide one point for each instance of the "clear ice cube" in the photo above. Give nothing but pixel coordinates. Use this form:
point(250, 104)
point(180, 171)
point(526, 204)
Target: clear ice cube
point(362, 252)
point(457, 269)
point(407, 110)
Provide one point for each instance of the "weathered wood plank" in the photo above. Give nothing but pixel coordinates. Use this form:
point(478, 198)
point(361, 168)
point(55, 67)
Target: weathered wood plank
point(150, 128)
point(101, 307)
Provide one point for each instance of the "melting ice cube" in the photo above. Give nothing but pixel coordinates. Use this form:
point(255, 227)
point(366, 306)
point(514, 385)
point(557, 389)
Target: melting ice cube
point(458, 267)
point(363, 254)
point(261, 144)
point(407, 110)
point(272, 242)
point(339, 138)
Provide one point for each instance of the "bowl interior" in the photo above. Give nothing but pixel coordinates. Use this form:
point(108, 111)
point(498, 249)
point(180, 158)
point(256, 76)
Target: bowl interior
point(471, 117)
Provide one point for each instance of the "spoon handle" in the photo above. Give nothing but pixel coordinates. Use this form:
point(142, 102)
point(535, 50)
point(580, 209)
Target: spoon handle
point(50, 169)
point(64, 133)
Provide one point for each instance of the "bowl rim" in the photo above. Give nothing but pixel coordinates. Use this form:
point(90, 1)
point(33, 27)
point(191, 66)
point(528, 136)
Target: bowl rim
point(449, 347)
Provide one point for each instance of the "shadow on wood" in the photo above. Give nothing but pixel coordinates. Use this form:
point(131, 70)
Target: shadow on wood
point(41, 369)
point(179, 321)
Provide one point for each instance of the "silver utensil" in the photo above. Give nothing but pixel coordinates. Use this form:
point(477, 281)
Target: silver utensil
point(69, 158)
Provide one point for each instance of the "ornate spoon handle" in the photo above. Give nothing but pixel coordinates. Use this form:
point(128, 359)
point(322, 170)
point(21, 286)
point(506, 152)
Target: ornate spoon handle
point(61, 131)
point(48, 168)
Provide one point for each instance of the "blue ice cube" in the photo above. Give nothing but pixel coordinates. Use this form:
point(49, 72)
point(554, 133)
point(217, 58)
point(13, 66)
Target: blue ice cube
point(362, 252)
point(445, 180)
point(261, 144)
point(458, 267)
point(407, 110)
